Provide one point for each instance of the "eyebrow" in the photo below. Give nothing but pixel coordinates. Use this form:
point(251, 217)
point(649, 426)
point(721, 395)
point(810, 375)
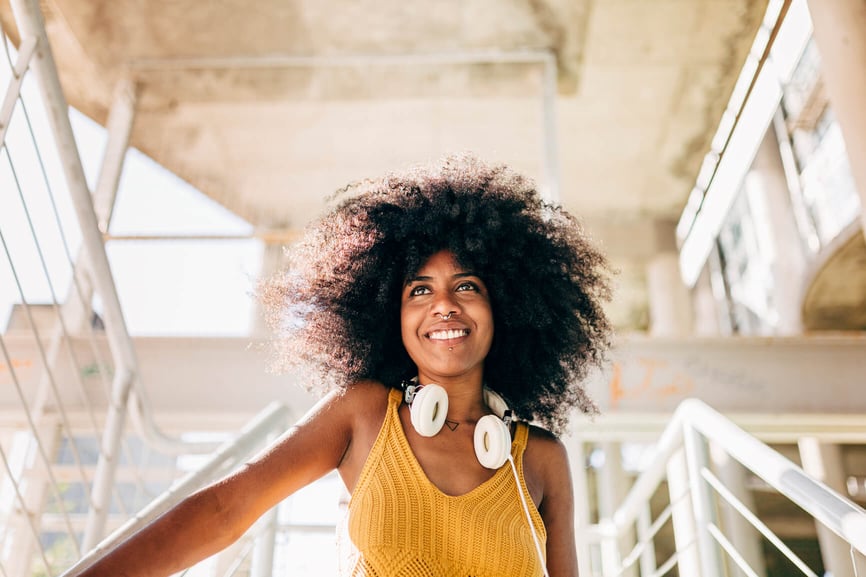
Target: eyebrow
point(429, 278)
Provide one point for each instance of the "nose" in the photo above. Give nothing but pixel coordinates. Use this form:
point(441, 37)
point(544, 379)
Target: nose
point(445, 307)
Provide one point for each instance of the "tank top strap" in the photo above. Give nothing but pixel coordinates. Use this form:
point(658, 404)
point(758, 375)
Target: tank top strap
point(395, 397)
point(521, 435)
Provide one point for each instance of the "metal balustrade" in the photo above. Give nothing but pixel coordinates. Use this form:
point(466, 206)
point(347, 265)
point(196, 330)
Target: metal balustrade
point(704, 546)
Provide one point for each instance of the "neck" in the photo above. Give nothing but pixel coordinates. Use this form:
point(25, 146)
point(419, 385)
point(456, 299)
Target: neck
point(465, 397)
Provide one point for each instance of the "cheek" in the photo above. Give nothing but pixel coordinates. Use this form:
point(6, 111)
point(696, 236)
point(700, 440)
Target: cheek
point(407, 325)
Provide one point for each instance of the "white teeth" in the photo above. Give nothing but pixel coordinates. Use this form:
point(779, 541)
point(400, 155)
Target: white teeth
point(449, 334)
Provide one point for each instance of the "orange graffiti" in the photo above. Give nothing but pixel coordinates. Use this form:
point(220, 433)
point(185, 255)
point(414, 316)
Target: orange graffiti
point(654, 381)
point(17, 364)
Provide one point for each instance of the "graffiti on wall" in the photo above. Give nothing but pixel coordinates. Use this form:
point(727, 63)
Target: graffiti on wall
point(647, 379)
point(16, 364)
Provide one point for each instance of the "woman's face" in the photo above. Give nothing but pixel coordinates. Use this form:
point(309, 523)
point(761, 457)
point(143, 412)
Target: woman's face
point(455, 346)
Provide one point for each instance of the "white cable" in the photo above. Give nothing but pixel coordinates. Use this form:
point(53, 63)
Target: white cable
point(541, 556)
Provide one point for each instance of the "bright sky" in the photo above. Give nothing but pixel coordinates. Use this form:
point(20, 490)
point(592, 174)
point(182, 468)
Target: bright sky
point(166, 287)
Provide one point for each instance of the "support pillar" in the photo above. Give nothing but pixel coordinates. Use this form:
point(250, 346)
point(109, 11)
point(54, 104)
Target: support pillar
point(839, 30)
point(823, 461)
point(669, 299)
point(612, 489)
point(706, 323)
point(577, 451)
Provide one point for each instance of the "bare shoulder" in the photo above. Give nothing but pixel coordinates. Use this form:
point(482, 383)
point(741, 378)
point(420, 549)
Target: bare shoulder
point(366, 403)
point(350, 404)
point(544, 445)
point(545, 464)
point(365, 395)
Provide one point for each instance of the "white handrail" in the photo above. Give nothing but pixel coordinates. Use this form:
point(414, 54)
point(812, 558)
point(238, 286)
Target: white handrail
point(839, 514)
point(836, 512)
point(273, 418)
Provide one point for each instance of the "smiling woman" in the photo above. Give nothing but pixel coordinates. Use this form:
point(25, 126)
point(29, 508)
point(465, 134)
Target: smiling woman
point(446, 295)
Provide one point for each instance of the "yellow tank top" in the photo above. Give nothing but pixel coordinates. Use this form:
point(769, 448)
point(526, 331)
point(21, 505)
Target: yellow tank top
point(401, 525)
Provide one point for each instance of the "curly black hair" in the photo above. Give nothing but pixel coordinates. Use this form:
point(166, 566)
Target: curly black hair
point(336, 309)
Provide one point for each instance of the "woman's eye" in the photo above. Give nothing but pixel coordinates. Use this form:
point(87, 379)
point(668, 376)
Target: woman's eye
point(467, 286)
point(418, 290)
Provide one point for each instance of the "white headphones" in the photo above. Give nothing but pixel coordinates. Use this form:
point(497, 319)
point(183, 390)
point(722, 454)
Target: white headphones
point(428, 407)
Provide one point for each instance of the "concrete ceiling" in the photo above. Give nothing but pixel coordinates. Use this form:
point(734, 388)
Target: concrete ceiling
point(268, 107)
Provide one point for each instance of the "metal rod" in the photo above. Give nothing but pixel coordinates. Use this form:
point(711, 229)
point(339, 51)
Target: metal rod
point(731, 550)
point(106, 467)
point(340, 61)
point(25, 53)
point(121, 119)
point(738, 505)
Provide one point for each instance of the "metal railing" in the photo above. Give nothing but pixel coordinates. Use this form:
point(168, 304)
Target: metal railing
point(697, 494)
point(69, 377)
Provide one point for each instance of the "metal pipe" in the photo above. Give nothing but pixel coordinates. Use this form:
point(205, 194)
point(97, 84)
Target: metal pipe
point(551, 143)
point(106, 467)
point(646, 533)
point(646, 485)
point(340, 61)
point(121, 119)
point(702, 503)
point(25, 52)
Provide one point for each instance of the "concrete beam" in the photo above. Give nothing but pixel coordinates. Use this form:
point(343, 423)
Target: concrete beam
point(646, 376)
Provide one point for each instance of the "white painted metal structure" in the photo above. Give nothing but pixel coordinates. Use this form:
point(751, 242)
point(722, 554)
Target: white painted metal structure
point(702, 544)
point(681, 458)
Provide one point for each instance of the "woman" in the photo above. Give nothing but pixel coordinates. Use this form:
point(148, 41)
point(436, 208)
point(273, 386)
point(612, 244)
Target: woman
point(456, 275)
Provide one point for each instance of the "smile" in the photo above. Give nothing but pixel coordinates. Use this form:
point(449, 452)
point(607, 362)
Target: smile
point(449, 334)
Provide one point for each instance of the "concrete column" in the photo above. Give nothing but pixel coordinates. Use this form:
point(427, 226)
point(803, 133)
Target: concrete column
point(839, 30)
point(706, 315)
point(740, 532)
point(768, 193)
point(612, 488)
point(273, 260)
point(577, 455)
point(823, 461)
point(669, 299)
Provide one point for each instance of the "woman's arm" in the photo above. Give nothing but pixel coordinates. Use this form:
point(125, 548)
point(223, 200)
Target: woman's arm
point(553, 474)
point(217, 515)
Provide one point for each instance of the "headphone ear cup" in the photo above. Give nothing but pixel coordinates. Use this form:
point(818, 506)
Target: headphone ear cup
point(429, 409)
point(492, 441)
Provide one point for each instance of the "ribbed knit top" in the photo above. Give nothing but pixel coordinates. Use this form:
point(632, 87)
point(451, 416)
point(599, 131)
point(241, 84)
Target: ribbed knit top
point(401, 525)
